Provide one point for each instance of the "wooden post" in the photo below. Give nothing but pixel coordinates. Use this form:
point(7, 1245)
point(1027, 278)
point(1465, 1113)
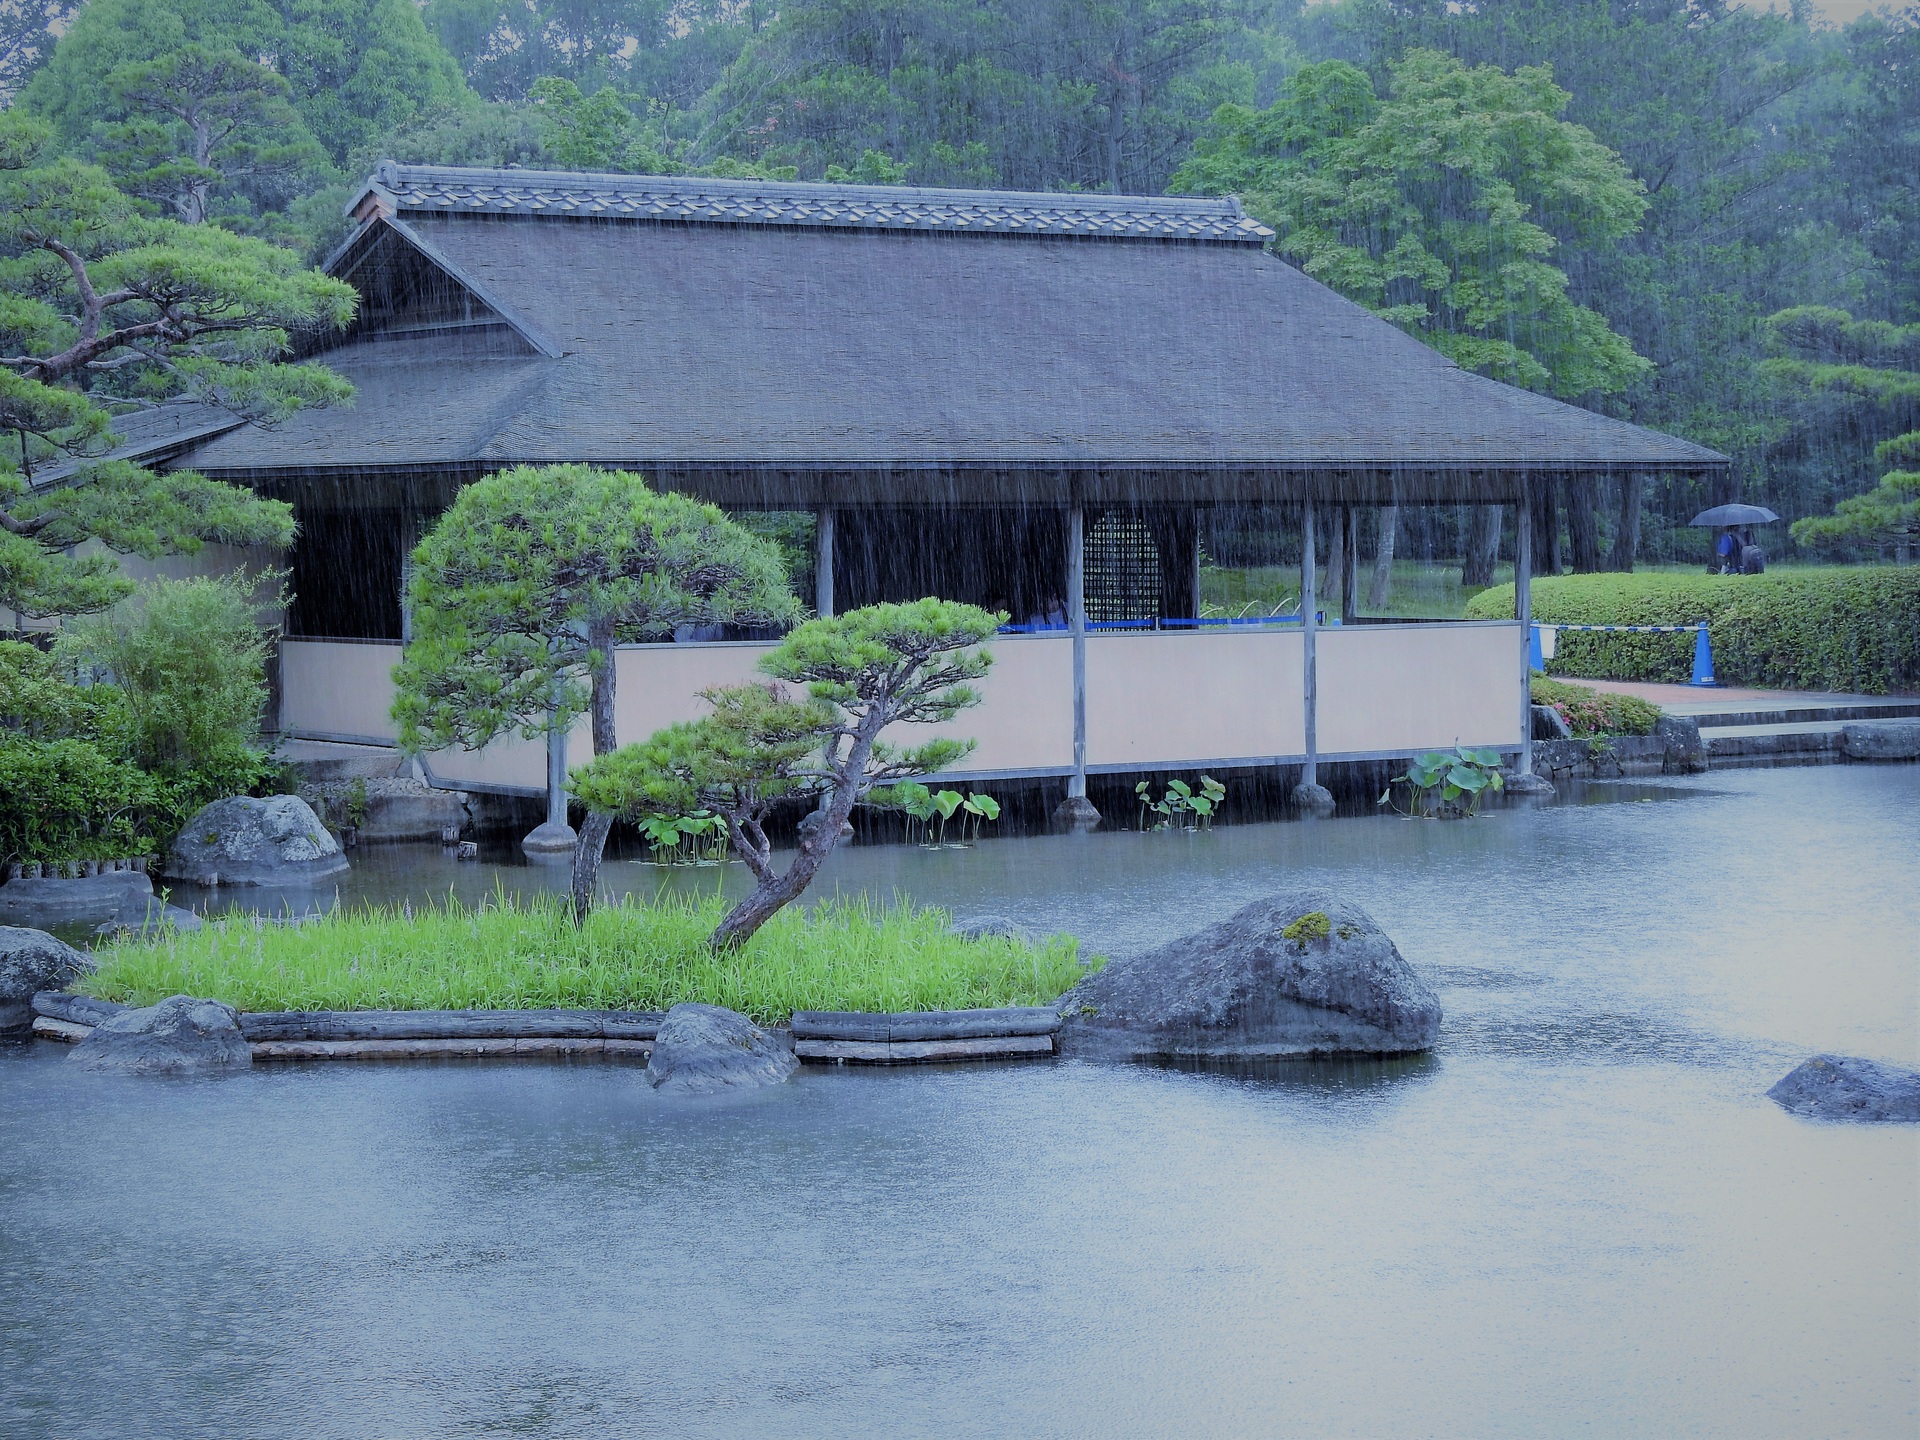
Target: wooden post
point(823, 562)
point(1523, 610)
point(1196, 566)
point(1076, 811)
point(557, 776)
point(1309, 628)
point(1077, 618)
point(1349, 566)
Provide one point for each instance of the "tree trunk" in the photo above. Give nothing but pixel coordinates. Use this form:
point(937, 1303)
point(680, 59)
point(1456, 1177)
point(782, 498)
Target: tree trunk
point(1382, 585)
point(1583, 526)
point(1626, 535)
point(1482, 547)
point(774, 891)
point(591, 843)
point(1546, 526)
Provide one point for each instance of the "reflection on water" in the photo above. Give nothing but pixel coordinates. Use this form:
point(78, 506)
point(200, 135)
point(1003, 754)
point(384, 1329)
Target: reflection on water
point(1579, 1214)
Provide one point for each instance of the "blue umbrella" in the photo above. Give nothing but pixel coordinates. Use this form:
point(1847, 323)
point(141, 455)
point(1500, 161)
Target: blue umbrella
point(1734, 515)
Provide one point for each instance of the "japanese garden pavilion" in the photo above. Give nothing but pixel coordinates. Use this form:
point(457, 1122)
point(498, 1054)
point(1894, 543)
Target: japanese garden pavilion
point(990, 396)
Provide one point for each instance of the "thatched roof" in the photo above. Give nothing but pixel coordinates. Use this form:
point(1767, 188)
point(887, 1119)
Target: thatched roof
point(937, 343)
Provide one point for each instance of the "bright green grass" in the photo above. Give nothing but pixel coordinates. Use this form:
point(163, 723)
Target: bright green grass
point(516, 953)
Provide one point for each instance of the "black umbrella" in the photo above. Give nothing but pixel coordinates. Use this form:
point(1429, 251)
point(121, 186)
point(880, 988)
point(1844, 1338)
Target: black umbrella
point(1734, 515)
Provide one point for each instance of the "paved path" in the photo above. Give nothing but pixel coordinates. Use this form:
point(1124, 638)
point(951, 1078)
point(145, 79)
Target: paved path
point(1734, 699)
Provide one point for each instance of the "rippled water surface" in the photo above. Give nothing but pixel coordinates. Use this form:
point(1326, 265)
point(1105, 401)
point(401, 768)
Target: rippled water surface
point(1580, 1216)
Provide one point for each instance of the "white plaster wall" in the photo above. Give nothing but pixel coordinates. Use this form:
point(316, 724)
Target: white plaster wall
point(1159, 699)
point(1401, 688)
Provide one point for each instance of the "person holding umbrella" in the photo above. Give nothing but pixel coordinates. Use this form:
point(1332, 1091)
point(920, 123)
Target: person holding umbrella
point(1735, 554)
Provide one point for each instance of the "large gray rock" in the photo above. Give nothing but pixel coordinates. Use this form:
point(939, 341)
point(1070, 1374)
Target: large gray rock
point(147, 915)
point(88, 900)
point(1881, 740)
point(1294, 975)
point(242, 841)
point(32, 961)
point(179, 1036)
point(700, 1049)
point(1839, 1087)
point(1684, 751)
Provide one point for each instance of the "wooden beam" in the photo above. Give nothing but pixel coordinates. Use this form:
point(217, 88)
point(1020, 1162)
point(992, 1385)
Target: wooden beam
point(1310, 773)
point(925, 1024)
point(823, 561)
point(1523, 611)
point(908, 1052)
point(331, 1025)
point(535, 1047)
point(1077, 619)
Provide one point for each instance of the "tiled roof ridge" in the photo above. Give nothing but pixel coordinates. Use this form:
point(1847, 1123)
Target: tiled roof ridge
point(455, 190)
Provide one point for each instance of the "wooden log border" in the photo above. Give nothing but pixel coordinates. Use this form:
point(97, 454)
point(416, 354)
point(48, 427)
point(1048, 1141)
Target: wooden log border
point(822, 1037)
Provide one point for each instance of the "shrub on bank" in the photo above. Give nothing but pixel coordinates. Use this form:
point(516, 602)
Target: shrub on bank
point(513, 953)
point(1596, 712)
point(1839, 628)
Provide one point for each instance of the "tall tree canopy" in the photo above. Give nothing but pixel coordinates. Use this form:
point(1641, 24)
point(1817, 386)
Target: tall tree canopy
point(104, 311)
point(354, 69)
point(1439, 206)
point(1034, 94)
point(524, 587)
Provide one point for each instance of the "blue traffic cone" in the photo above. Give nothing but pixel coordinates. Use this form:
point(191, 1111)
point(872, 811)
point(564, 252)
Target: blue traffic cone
point(1534, 658)
point(1702, 659)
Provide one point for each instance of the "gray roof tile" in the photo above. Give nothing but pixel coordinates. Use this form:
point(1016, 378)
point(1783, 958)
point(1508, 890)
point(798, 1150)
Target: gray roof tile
point(446, 189)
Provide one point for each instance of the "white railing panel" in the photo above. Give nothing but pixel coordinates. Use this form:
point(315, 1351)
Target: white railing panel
point(1180, 698)
point(338, 688)
point(1396, 689)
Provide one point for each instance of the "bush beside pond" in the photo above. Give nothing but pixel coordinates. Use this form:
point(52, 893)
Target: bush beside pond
point(513, 953)
point(1851, 628)
point(1596, 712)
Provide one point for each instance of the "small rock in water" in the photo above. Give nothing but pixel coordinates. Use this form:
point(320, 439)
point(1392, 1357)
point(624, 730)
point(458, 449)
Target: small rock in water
point(990, 927)
point(32, 961)
point(1296, 975)
point(701, 1049)
point(243, 841)
point(1840, 1087)
point(181, 1035)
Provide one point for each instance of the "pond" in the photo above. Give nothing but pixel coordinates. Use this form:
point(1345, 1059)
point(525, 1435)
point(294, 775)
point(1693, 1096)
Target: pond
point(1580, 1213)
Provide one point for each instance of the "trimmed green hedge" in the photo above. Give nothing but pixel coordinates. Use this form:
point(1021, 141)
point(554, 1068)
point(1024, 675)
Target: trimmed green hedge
point(1834, 628)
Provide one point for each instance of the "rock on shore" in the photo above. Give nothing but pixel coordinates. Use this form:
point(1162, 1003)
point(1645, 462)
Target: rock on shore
point(179, 1036)
point(1294, 975)
point(32, 961)
point(701, 1049)
point(243, 841)
point(1840, 1087)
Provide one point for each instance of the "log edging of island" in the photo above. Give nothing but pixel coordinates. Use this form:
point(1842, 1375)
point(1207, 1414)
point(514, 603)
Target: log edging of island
point(919, 1036)
point(823, 1037)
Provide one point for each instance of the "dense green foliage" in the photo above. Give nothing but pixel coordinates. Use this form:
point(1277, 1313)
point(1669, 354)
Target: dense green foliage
point(517, 953)
point(1596, 712)
point(1438, 206)
point(1852, 628)
point(1869, 373)
point(135, 721)
point(104, 311)
point(524, 587)
point(189, 659)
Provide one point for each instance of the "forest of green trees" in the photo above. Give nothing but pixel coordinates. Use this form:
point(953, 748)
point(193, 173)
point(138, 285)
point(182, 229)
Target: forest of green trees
point(1697, 215)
